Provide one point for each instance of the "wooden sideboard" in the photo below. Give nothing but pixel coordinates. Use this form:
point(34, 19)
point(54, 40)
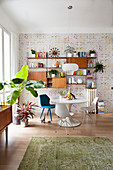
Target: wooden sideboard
point(5, 118)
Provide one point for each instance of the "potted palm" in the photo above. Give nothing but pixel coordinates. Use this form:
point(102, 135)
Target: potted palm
point(92, 53)
point(53, 72)
point(69, 51)
point(99, 67)
point(25, 112)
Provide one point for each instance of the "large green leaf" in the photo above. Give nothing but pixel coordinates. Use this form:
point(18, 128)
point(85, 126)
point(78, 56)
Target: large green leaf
point(11, 99)
point(35, 84)
point(38, 85)
point(33, 92)
point(23, 73)
point(1, 86)
point(17, 80)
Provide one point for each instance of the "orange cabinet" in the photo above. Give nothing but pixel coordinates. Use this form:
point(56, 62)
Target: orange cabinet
point(81, 61)
point(37, 75)
point(59, 82)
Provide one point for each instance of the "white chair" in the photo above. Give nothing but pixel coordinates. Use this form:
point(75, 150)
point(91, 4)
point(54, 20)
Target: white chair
point(90, 109)
point(67, 121)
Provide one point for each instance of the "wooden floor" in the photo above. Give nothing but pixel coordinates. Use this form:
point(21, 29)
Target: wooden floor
point(19, 138)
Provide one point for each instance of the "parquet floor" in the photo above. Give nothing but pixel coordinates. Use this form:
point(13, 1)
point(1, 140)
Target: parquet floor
point(19, 138)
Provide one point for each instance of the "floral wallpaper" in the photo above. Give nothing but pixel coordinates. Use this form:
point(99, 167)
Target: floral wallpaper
point(101, 42)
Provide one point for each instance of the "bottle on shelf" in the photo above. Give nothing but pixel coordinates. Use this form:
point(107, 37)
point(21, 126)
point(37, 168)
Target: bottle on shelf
point(57, 65)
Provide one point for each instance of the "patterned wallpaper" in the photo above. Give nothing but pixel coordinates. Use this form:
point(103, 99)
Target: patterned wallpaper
point(102, 43)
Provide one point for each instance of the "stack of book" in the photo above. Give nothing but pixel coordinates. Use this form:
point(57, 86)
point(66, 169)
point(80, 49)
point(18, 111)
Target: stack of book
point(80, 72)
point(101, 106)
point(41, 54)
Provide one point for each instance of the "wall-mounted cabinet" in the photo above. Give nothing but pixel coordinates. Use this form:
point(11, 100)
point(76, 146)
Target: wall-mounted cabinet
point(81, 61)
point(59, 82)
point(37, 75)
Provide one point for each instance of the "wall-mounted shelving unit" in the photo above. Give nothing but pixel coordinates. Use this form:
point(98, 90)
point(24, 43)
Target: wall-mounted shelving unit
point(83, 63)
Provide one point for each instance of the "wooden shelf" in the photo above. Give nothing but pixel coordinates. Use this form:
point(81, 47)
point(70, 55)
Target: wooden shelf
point(54, 77)
point(49, 82)
point(47, 58)
point(54, 67)
point(77, 84)
point(91, 57)
point(90, 87)
point(76, 75)
point(60, 57)
point(45, 67)
point(90, 68)
point(92, 79)
point(37, 67)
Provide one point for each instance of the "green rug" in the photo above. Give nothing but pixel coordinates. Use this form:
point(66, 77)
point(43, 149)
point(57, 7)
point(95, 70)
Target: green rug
point(68, 153)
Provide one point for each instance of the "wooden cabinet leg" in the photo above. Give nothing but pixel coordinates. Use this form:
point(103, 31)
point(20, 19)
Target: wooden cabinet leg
point(6, 134)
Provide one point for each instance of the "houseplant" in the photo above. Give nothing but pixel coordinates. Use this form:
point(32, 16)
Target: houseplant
point(69, 51)
point(19, 83)
point(33, 52)
point(53, 72)
point(25, 112)
point(92, 53)
point(99, 67)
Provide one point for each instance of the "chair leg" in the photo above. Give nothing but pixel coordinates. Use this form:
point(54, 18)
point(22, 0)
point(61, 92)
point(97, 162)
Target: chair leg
point(47, 112)
point(50, 114)
point(67, 131)
point(42, 113)
point(57, 129)
point(84, 116)
point(91, 117)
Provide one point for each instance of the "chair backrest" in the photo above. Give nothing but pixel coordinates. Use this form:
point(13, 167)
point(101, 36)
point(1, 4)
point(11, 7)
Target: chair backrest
point(61, 110)
point(95, 100)
point(94, 103)
point(44, 100)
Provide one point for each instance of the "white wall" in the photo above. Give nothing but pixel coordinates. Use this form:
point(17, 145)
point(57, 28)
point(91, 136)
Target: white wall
point(7, 23)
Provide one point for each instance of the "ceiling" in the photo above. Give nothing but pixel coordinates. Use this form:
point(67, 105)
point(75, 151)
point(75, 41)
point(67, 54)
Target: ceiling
point(53, 15)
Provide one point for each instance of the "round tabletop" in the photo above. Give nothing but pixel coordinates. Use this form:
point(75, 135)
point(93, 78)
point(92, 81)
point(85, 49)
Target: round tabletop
point(63, 100)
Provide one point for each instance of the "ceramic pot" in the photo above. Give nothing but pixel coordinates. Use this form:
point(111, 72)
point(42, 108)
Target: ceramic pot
point(33, 55)
point(16, 121)
point(69, 54)
point(92, 55)
point(53, 75)
point(79, 81)
point(24, 123)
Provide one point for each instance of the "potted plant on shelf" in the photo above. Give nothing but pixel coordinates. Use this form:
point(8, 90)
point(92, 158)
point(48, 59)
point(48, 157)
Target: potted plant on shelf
point(53, 72)
point(92, 53)
point(25, 112)
point(69, 51)
point(33, 52)
point(99, 67)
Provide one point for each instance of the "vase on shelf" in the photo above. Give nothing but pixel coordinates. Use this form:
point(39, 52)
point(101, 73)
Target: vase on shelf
point(69, 94)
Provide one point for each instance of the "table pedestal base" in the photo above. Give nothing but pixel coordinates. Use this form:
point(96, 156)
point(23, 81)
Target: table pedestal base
point(68, 122)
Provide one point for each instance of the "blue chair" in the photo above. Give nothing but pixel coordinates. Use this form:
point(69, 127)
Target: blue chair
point(45, 103)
